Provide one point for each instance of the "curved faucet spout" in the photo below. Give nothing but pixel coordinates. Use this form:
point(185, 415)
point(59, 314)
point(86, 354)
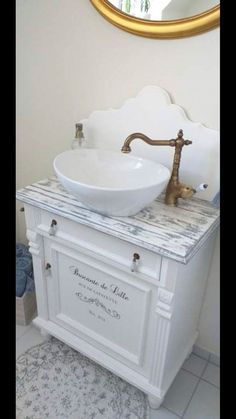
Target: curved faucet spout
point(126, 147)
point(174, 189)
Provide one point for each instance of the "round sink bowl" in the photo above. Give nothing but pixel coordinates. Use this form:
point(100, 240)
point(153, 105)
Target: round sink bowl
point(108, 182)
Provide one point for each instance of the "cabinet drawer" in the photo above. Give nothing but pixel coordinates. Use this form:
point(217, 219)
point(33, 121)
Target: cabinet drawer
point(108, 248)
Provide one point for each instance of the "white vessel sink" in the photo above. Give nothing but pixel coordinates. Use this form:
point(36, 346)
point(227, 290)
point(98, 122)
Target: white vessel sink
point(109, 182)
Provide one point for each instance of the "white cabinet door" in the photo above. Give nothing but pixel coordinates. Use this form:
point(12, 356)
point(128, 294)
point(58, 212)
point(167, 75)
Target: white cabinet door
point(101, 304)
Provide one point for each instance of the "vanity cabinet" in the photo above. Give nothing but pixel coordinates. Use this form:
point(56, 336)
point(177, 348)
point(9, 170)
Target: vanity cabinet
point(135, 315)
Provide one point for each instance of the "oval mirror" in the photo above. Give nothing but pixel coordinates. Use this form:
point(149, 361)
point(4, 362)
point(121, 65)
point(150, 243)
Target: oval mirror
point(161, 18)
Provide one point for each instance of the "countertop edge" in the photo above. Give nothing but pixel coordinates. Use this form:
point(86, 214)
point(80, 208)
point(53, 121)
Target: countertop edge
point(158, 250)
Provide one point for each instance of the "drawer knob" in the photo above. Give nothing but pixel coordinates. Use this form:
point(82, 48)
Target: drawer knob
point(22, 209)
point(52, 229)
point(47, 269)
point(134, 264)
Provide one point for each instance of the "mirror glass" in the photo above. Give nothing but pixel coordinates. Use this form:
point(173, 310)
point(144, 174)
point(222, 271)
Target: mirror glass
point(158, 10)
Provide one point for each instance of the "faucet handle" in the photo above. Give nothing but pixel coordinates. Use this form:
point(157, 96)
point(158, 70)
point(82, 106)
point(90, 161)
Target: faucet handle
point(180, 136)
point(201, 187)
point(187, 142)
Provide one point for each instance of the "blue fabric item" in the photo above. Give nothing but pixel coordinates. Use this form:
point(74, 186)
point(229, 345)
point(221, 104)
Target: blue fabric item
point(24, 270)
point(22, 250)
point(24, 264)
point(21, 281)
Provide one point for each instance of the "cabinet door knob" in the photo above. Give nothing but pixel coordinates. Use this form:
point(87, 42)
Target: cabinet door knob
point(52, 229)
point(135, 260)
point(22, 209)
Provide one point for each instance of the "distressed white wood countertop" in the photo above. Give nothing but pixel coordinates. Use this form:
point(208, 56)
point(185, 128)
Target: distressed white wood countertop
point(173, 232)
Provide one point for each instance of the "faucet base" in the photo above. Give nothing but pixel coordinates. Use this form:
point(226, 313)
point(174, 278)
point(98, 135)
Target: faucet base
point(177, 190)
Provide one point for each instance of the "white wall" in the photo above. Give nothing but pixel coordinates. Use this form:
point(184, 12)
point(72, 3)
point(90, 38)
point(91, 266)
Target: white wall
point(71, 61)
point(209, 326)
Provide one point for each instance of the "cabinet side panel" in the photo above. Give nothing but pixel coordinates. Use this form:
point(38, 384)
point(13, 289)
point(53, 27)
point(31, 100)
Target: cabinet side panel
point(189, 289)
point(36, 248)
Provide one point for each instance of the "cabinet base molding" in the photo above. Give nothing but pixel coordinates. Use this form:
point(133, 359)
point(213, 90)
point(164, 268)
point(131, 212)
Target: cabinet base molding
point(100, 357)
point(155, 394)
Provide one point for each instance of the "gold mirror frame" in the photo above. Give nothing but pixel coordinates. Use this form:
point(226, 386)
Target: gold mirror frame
point(165, 29)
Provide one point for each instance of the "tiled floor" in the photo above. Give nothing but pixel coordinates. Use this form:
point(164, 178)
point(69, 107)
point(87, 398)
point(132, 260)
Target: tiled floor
point(194, 393)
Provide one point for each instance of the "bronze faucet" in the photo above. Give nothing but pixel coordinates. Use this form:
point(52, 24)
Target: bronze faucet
point(174, 189)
